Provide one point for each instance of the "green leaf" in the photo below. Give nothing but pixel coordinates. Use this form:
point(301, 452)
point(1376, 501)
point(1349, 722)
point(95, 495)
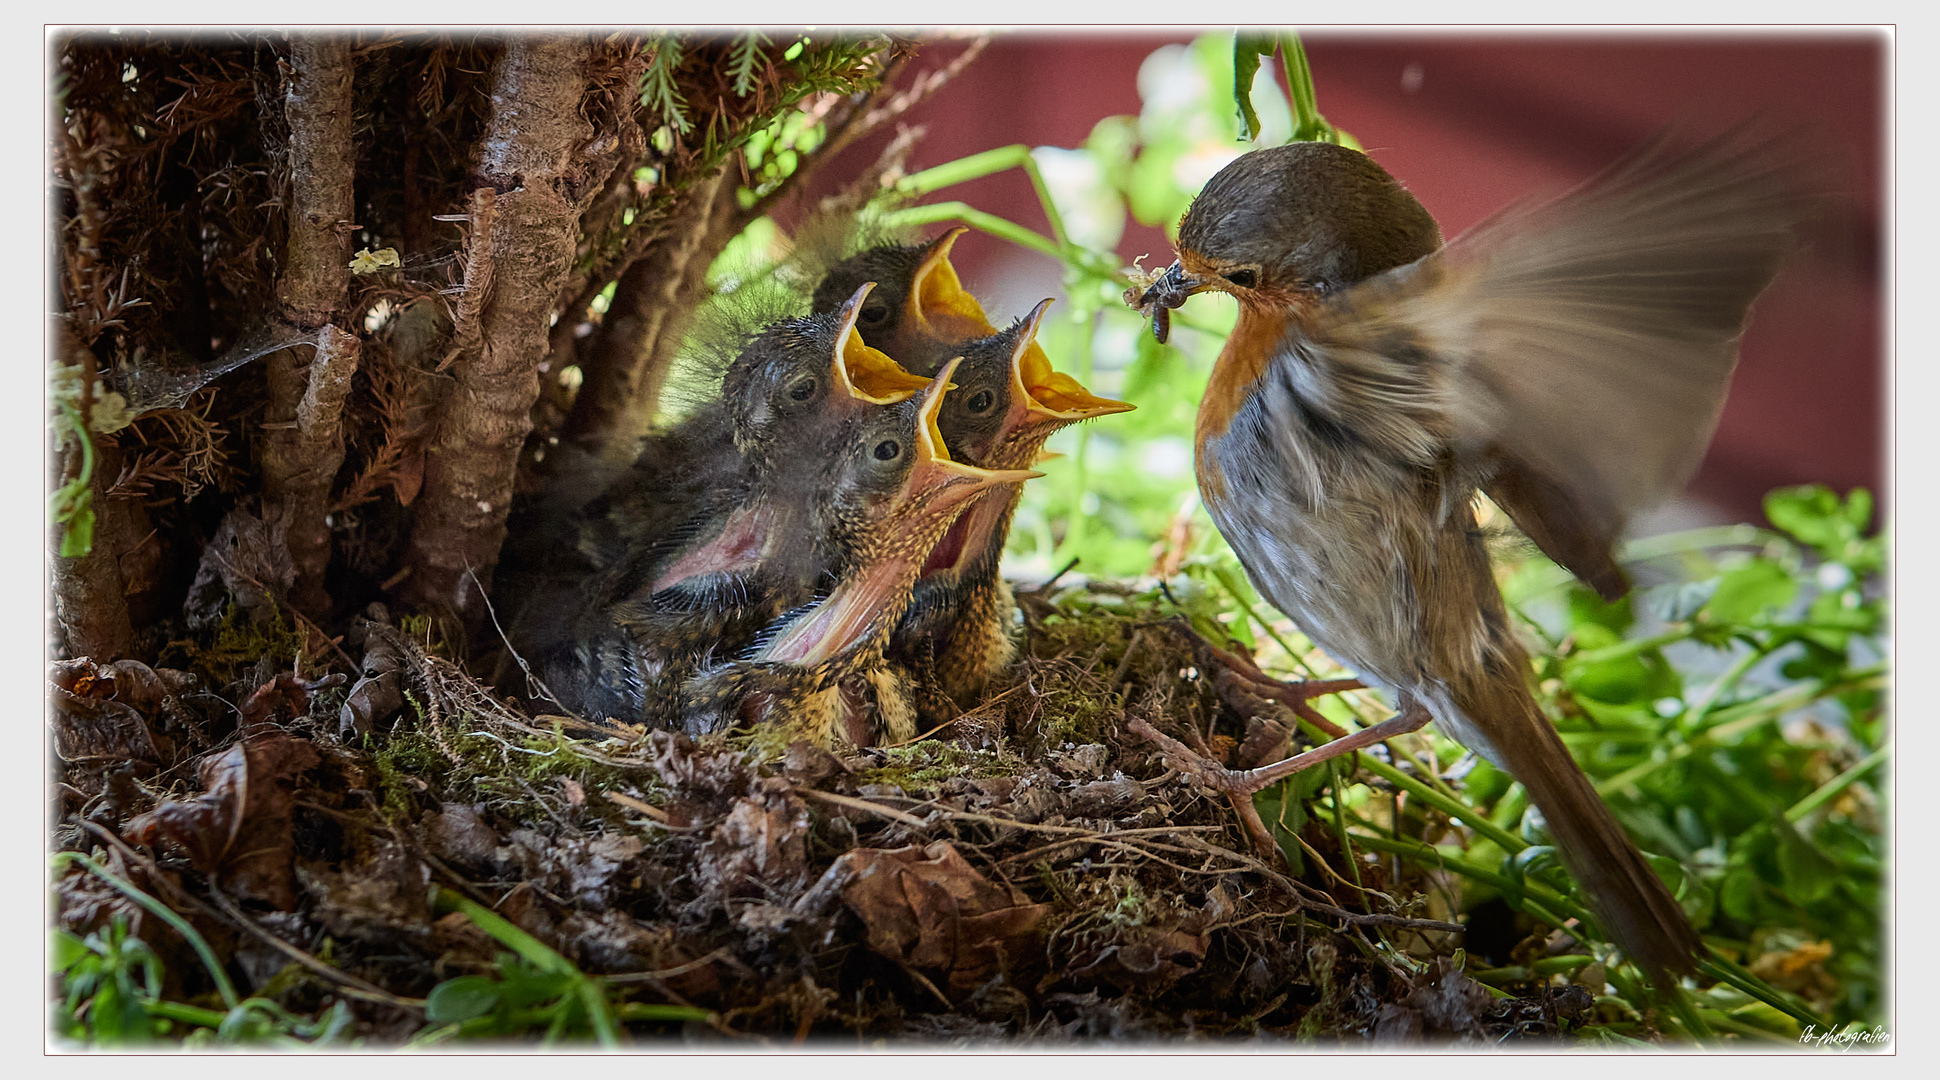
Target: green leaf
point(1750, 591)
point(65, 950)
point(77, 540)
point(459, 999)
point(1738, 896)
point(1247, 50)
point(1812, 513)
point(746, 57)
point(1809, 875)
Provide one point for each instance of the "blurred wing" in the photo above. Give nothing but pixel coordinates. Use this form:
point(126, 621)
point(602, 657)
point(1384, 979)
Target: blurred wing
point(1575, 354)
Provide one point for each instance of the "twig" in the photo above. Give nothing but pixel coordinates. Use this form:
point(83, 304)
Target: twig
point(666, 973)
point(658, 816)
point(349, 984)
point(861, 804)
point(1396, 921)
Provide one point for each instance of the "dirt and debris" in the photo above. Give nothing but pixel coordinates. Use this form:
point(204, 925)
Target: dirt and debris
point(1031, 873)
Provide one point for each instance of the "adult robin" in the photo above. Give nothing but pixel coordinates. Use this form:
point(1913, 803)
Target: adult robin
point(1008, 401)
point(761, 544)
point(896, 491)
point(1569, 358)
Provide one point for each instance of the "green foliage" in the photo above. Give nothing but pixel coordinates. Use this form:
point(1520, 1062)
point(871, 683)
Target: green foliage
point(746, 60)
point(658, 91)
point(1734, 721)
point(105, 978)
point(536, 990)
point(72, 504)
point(110, 989)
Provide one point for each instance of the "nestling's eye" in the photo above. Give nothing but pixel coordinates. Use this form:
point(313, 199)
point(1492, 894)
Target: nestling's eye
point(888, 450)
point(1245, 279)
point(980, 402)
point(873, 314)
point(802, 389)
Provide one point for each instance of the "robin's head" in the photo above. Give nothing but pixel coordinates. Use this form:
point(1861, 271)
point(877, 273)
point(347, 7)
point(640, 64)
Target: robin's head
point(919, 308)
point(796, 381)
point(1288, 222)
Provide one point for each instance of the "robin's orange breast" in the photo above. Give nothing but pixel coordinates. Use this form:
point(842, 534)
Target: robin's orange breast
point(1235, 376)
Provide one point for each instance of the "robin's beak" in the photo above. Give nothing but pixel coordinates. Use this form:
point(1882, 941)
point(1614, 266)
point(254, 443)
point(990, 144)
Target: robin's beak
point(937, 301)
point(1167, 293)
point(867, 374)
point(938, 484)
point(1041, 396)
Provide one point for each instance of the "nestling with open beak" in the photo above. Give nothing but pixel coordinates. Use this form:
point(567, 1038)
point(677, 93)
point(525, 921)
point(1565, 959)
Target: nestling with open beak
point(919, 312)
point(896, 492)
point(1008, 402)
point(1567, 357)
point(761, 545)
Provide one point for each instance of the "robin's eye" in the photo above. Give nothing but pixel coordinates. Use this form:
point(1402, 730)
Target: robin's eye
point(888, 450)
point(803, 388)
point(1245, 279)
point(873, 314)
point(980, 402)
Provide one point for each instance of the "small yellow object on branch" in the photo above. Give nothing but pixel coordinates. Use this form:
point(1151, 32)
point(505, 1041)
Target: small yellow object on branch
point(367, 261)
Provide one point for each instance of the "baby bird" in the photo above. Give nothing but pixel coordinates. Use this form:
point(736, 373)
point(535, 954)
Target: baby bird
point(774, 391)
point(759, 545)
point(1008, 403)
point(896, 491)
point(919, 312)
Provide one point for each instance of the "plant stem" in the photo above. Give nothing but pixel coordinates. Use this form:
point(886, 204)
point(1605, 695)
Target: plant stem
point(1003, 229)
point(1552, 909)
point(1830, 789)
point(1454, 808)
point(1732, 975)
point(976, 166)
point(162, 911)
point(1740, 718)
point(1623, 649)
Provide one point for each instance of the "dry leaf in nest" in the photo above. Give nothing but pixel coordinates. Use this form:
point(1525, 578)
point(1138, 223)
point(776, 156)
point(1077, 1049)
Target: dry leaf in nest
point(1446, 1003)
point(99, 709)
point(928, 909)
point(239, 829)
point(247, 560)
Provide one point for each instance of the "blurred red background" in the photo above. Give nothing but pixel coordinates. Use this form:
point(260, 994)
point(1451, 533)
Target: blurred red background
point(1470, 122)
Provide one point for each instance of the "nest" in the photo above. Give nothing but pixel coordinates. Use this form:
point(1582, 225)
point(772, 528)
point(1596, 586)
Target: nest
point(1028, 873)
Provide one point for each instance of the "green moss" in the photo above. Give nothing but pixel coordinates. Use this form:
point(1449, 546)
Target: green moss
point(926, 764)
point(236, 646)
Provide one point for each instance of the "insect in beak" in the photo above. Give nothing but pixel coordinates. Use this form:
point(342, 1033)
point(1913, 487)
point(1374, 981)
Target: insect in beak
point(1168, 292)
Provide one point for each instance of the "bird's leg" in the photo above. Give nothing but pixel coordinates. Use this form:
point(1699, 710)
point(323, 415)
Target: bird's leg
point(1412, 717)
point(1236, 676)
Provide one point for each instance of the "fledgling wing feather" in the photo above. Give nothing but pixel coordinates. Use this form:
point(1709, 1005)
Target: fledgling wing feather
point(1575, 353)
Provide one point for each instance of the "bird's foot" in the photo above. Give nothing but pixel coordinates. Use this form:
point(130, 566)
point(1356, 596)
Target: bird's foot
point(1247, 781)
point(1241, 684)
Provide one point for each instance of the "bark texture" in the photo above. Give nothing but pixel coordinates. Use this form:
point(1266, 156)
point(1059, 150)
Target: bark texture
point(303, 424)
point(625, 361)
point(530, 155)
